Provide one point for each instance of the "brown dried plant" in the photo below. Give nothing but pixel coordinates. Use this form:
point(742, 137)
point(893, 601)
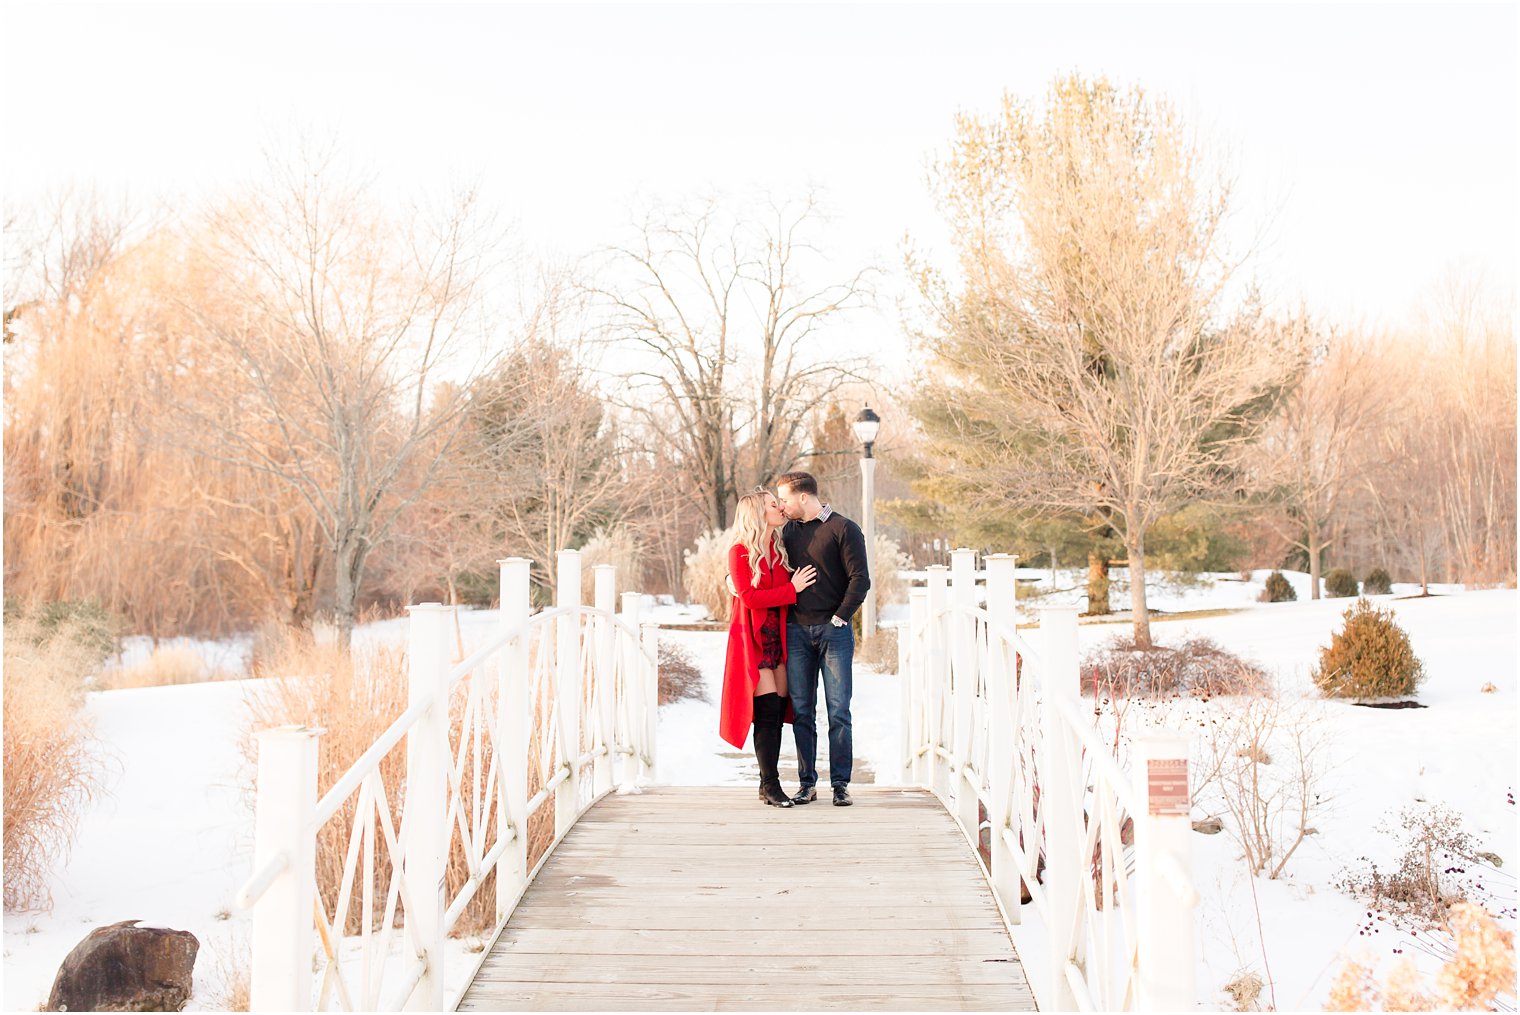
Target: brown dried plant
point(354, 697)
point(1479, 971)
point(1196, 667)
point(52, 763)
point(1264, 763)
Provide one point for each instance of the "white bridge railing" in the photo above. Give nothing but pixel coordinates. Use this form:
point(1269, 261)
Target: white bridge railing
point(562, 701)
point(994, 724)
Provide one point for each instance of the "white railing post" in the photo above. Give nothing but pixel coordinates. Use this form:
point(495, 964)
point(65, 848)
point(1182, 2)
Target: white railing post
point(937, 679)
point(1061, 798)
point(1164, 894)
point(425, 828)
point(651, 695)
point(280, 974)
point(513, 729)
point(606, 693)
point(963, 691)
point(910, 667)
point(634, 771)
point(1002, 736)
point(1061, 794)
point(567, 686)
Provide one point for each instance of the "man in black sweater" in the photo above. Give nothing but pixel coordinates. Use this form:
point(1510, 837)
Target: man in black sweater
point(818, 632)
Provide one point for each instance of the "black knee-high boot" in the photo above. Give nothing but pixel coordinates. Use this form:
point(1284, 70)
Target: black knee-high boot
point(769, 710)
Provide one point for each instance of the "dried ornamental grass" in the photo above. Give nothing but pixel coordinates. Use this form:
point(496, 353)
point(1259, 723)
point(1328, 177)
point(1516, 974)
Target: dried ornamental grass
point(354, 699)
point(706, 571)
point(1245, 991)
point(618, 546)
point(166, 666)
point(51, 762)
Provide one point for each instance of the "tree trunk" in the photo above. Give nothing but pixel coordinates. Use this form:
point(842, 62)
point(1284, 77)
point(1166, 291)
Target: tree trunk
point(1314, 547)
point(1424, 568)
point(1097, 582)
point(349, 559)
point(1140, 613)
point(720, 500)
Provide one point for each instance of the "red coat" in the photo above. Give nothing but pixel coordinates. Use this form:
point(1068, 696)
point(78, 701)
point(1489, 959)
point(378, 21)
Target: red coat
point(741, 670)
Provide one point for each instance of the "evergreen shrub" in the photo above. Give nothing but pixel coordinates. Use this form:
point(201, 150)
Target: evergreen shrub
point(1279, 589)
point(1370, 657)
point(1340, 584)
point(1377, 583)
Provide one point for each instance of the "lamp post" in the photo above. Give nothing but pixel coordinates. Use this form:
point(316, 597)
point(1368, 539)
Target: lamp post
point(866, 426)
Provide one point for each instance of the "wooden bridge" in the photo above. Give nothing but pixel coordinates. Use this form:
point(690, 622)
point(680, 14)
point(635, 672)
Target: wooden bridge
point(526, 792)
point(700, 899)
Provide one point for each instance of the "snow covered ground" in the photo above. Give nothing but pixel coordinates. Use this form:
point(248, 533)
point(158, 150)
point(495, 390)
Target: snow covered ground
point(1460, 751)
point(169, 840)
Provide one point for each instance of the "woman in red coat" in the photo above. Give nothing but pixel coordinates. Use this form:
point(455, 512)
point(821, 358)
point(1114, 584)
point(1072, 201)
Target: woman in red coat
point(754, 675)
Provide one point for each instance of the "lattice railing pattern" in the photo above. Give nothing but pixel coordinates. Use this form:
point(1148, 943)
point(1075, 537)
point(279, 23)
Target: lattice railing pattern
point(504, 749)
point(993, 726)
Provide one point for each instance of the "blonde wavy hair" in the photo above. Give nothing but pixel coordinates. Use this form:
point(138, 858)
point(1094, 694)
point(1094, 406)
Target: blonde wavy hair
point(751, 532)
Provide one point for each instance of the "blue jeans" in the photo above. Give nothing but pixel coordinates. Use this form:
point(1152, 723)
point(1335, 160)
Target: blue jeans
point(810, 647)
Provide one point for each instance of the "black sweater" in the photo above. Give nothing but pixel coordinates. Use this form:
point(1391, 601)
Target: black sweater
point(837, 548)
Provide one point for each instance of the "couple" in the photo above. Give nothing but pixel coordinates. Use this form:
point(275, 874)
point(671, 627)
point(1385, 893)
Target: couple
point(798, 573)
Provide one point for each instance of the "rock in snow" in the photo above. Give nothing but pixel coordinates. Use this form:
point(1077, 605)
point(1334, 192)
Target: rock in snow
point(124, 967)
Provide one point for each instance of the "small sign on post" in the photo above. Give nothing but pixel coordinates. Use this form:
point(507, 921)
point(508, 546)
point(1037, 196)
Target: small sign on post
point(1164, 893)
point(1167, 783)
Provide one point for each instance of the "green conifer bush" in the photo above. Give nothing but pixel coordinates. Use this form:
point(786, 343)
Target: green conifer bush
point(1370, 657)
point(1340, 584)
point(1279, 589)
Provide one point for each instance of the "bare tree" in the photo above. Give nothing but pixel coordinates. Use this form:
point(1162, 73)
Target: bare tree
point(1470, 338)
point(338, 320)
point(727, 337)
point(1091, 333)
point(1403, 491)
point(99, 505)
point(61, 245)
point(1444, 501)
point(445, 538)
point(1319, 450)
point(540, 452)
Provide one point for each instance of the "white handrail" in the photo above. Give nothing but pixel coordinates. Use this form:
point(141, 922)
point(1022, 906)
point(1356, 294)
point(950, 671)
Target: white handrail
point(1101, 854)
point(1098, 754)
point(348, 783)
point(256, 885)
point(1010, 635)
point(593, 675)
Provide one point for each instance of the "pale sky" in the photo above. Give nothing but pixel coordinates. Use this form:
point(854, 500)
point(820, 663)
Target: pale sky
point(1379, 140)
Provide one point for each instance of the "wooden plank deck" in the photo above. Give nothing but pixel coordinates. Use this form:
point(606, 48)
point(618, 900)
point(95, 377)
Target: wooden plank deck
point(704, 899)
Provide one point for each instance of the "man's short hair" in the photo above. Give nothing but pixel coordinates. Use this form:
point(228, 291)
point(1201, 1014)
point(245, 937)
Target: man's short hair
point(798, 482)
